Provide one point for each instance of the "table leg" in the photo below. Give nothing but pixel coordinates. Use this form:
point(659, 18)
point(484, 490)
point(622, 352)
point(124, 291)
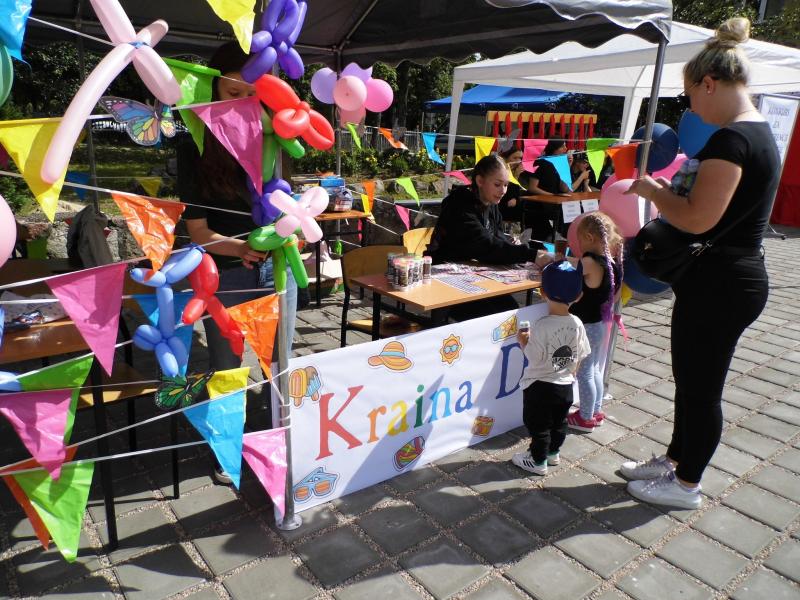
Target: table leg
point(439, 317)
point(319, 275)
point(528, 297)
point(173, 434)
point(101, 427)
point(376, 316)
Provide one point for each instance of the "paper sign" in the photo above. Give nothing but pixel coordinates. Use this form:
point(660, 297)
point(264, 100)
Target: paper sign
point(590, 205)
point(571, 210)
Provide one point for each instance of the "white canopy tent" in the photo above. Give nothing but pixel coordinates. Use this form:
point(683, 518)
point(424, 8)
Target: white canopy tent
point(622, 67)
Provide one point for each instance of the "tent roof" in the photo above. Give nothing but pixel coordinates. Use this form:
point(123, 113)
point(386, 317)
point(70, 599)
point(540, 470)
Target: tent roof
point(492, 97)
point(625, 65)
point(367, 31)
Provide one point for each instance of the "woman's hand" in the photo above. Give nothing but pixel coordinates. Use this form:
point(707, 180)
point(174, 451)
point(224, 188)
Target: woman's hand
point(249, 256)
point(647, 187)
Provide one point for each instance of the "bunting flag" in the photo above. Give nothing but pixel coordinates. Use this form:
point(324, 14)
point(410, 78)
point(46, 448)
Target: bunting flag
point(149, 306)
point(258, 319)
point(237, 125)
point(387, 133)
point(561, 163)
point(79, 178)
point(596, 153)
point(12, 26)
point(196, 85)
point(513, 179)
point(60, 504)
point(402, 212)
point(458, 175)
point(483, 147)
point(531, 150)
point(367, 204)
point(40, 418)
point(92, 299)
point(70, 375)
point(221, 422)
point(26, 143)
point(624, 159)
point(240, 14)
point(354, 134)
point(429, 139)
point(151, 223)
point(151, 185)
point(265, 452)
point(408, 186)
point(369, 188)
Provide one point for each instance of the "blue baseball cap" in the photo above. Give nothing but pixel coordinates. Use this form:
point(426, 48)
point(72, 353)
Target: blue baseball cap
point(561, 282)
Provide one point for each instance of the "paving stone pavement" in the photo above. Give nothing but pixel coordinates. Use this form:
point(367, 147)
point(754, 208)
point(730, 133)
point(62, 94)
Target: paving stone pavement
point(471, 525)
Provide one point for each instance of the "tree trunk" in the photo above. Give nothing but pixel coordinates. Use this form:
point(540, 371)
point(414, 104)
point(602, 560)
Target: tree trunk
point(401, 98)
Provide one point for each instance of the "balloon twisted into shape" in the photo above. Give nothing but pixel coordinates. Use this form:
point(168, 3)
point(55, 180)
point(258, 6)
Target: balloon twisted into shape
point(284, 251)
point(292, 117)
point(280, 27)
point(300, 214)
point(130, 47)
point(354, 92)
point(171, 353)
point(270, 146)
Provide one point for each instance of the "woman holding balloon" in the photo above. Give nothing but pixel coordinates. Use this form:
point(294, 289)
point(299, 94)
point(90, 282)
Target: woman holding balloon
point(725, 288)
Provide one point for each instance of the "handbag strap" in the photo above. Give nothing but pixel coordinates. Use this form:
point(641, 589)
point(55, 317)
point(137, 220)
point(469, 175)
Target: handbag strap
point(710, 243)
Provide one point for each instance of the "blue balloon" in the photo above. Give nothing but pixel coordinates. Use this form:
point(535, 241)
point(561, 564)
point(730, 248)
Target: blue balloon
point(635, 279)
point(663, 150)
point(693, 133)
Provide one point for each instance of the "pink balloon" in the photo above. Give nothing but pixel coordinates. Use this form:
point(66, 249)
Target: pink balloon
point(379, 95)
point(669, 171)
point(610, 181)
point(349, 93)
point(352, 116)
point(626, 210)
point(572, 236)
point(8, 232)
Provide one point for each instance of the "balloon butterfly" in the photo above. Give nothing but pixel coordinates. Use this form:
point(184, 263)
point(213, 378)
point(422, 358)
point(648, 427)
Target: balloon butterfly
point(144, 123)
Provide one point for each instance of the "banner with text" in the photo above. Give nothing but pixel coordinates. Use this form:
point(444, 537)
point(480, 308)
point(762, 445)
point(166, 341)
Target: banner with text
point(780, 112)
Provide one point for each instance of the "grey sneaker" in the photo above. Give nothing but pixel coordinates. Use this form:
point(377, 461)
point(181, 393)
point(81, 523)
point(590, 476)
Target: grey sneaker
point(667, 491)
point(554, 459)
point(525, 461)
point(646, 469)
point(222, 477)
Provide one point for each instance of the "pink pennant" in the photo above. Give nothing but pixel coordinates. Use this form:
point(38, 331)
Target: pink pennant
point(265, 452)
point(532, 150)
point(237, 125)
point(402, 212)
point(458, 175)
point(39, 418)
point(92, 298)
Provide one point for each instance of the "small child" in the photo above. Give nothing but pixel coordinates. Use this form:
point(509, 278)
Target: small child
point(601, 259)
point(554, 349)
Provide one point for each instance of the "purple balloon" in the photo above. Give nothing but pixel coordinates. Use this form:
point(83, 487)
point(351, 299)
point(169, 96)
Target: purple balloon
point(322, 84)
point(263, 212)
point(280, 27)
point(355, 71)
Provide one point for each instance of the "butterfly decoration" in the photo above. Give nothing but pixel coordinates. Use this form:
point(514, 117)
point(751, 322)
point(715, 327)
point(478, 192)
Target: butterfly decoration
point(180, 391)
point(144, 123)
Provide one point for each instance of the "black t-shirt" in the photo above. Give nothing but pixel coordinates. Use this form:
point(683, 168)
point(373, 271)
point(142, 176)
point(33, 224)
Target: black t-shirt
point(547, 174)
point(589, 308)
point(511, 213)
point(750, 145)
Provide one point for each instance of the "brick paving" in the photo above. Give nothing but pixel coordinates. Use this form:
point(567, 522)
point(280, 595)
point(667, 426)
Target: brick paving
point(471, 525)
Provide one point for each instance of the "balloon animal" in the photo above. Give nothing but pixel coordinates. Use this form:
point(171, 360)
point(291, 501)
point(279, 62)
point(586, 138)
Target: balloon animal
point(284, 250)
point(354, 92)
point(280, 26)
point(300, 213)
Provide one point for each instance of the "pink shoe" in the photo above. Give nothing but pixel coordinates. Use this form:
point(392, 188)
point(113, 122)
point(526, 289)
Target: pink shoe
point(575, 421)
point(599, 417)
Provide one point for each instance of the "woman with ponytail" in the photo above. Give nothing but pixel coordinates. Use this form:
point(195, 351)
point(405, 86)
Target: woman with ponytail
point(726, 287)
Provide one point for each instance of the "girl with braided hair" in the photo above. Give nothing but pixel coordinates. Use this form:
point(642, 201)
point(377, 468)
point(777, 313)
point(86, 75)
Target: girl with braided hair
point(601, 244)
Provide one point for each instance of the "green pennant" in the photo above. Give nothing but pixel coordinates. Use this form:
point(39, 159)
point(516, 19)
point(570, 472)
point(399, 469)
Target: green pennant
point(408, 186)
point(596, 153)
point(60, 504)
point(69, 374)
point(354, 134)
point(195, 81)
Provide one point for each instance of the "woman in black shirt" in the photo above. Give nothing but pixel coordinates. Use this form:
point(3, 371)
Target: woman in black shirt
point(726, 287)
point(547, 182)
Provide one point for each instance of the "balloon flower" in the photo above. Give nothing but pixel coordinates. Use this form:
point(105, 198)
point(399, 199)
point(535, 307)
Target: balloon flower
point(293, 118)
point(284, 250)
point(128, 47)
point(280, 26)
point(205, 282)
point(171, 353)
point(354, 92)
point(300, 214)
point(272, 142)
point(263, 212)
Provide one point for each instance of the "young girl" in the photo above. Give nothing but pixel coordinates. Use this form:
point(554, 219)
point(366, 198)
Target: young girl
point(601, 244)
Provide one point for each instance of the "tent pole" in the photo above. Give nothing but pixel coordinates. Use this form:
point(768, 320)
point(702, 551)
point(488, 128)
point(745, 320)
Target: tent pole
point(455, 104)
point(89, 137)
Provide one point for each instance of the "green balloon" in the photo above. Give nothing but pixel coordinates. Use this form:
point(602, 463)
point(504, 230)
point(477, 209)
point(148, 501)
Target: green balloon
point(6, 74)
point(279, 270)
point(293, 147)
point(269, 153)
point(264, 239)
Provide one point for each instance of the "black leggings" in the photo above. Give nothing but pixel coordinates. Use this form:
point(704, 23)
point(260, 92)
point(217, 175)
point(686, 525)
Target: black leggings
point(715, 302)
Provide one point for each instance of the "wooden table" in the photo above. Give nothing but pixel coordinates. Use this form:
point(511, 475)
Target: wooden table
point(335, 217)
point(558, 199)
point(435, 297)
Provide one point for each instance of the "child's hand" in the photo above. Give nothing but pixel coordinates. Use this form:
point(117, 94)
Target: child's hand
point(523, 337)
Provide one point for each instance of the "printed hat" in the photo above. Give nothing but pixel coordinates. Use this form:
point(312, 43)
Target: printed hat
point(561, 282)
point(393, 357)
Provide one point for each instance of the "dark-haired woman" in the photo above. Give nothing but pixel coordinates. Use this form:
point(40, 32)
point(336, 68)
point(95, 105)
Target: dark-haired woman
point(547, 182)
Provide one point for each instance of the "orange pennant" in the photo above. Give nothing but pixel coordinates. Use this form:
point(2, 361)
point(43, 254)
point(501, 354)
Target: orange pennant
point(624, 159)
point(258, 319)
point(387, 133)
point(369, 188)
point(152, 224)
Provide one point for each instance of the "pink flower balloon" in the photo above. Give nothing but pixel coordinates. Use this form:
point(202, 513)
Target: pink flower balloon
point(350, 93)
point(300, 213)
point(379, 95)
point(352, 116)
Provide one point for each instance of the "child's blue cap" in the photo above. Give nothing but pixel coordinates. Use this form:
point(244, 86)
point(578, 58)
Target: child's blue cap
point(561, 282)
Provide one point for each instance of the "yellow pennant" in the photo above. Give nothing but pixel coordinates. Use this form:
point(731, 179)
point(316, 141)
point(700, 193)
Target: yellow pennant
point(513, 179)
point(151, 185)
point(224, 382)
point(240, 14)
point(26, 142)
point(626, 294)
point(366, 204)
point(483, 147)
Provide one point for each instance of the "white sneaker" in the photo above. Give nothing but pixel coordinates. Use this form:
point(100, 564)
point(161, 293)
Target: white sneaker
point(525, 461)
point(667, 491)
point(646, 469)
point(554, 459)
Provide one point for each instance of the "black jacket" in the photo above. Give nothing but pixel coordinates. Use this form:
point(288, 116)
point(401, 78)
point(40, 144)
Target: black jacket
point(468, 230)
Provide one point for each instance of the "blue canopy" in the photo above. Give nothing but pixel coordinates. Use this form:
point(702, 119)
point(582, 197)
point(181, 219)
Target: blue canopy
point(494, 97)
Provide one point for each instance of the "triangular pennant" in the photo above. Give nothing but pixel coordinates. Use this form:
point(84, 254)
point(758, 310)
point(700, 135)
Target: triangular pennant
point(354, 134)
point(231, 380)
point(151, 223)
point(402, 212)
point(458, 175)
point(79, 178)
point(531, 150)
point(513, 179)
point(624, 159)
point(92, 299)
point(367, 206)
point(561, 163)
point(483, 147)
point(265, 452)
point(12, 26)
point(60, 504)
point(237, 126)
point(408, 186)
point(369, 188)
point(27, 142)
point(596, 153)
point(196, 84)
point(240, 14)
point(39, 418)
point(429, 139)
point(258, 319)
point(149, 306)
point(151, 185)
point(221, 423)
point(387, 133)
